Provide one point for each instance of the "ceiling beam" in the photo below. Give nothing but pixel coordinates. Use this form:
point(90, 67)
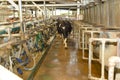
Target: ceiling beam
point(37, 6)
point(54, 5)
point(48, 5)
point(13, 4)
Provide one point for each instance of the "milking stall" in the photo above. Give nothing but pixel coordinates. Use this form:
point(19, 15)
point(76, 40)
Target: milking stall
point(59, 40)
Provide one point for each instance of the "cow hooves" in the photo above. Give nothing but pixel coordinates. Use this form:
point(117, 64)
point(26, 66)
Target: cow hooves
point(66, 47)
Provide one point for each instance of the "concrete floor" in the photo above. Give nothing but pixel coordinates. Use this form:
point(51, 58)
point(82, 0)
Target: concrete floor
point(65, 64)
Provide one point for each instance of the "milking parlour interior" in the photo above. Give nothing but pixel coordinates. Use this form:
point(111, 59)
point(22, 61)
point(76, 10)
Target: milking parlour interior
point(59, 39)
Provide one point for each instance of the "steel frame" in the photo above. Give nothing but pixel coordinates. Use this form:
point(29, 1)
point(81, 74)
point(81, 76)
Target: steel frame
point(103, 41)
point(91, 32)
point(81, 28)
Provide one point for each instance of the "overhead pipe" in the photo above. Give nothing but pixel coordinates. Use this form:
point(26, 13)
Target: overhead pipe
point(13, 4)
point(48, 5)
point(27, 0)
point(55, 5)
point(113, 61)
point(37, 6)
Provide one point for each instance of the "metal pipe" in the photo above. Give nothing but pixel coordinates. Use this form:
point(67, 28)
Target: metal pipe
point(9, 33)
point(45, 10)
point(26, 0)
point(52, 10)
point(55, 5)
point(13, 4)
point(91, 32)
point(90, 59)
point(7, 43)
point(103, 52)
point(20, 15)
point(112, 62)
point(103, 41)
point(37, 6)
point(78, 10)
point(69, 12)
point(20, 10)
point(118, 48)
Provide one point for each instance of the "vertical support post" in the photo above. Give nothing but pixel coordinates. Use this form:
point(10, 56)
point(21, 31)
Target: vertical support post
point(83, 42)
point(35, 13)
point(118, 48)
point(78, 10)
point(103, 51)
point(20, 15)
point(79, 39)
point(44, 10)
point(55, 11)
point(90, 58)
point(69, 12)
point(52, 10)
point(9, 33)
point(101, 13)
point(25, 9)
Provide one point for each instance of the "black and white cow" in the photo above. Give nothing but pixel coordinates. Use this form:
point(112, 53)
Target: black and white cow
point(59, 28)
point(64, 29)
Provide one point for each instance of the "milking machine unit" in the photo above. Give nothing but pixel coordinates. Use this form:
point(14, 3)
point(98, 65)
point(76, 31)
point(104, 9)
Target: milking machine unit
point(21, 55)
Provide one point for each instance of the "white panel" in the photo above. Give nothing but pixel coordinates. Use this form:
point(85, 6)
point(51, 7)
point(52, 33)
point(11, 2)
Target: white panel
point(7, 75)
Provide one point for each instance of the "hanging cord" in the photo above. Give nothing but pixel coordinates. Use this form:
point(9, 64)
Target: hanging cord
point(34, 63)
point(11, 64)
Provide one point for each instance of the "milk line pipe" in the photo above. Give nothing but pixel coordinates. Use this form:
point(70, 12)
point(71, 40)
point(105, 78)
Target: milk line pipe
point(103, 41)
point(11, 35)
point(5, 23)
point(9, 42)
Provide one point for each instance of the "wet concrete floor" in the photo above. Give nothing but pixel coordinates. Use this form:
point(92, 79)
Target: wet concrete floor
point(65, 64)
